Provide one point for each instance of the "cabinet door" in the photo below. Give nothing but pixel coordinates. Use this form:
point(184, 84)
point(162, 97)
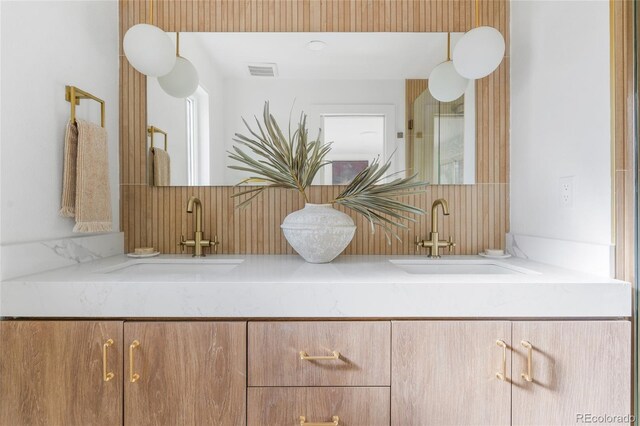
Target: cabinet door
point(444, 373)
point(189, 373)
point(578, 368)
point(357, 406)
point(51, 373)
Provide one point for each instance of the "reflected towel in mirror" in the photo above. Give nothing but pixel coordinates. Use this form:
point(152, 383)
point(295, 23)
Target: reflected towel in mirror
point(161, 167)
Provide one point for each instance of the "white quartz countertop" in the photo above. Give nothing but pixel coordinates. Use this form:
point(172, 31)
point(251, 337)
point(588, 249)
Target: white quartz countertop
point(281, 286)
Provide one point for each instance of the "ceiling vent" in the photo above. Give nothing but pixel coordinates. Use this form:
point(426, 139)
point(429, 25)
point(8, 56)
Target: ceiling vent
point(263, 69)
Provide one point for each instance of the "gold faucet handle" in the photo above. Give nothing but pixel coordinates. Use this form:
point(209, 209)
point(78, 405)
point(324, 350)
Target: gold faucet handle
point(215, 243)
point(418, 244)
point(182, 243)
point(451, 244)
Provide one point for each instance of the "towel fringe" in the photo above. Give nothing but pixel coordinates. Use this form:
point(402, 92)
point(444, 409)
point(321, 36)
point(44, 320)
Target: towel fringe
point(66, 211)
point(93, 227)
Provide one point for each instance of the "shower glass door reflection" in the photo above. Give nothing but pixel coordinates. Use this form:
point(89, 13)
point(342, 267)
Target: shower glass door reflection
point(441, 140)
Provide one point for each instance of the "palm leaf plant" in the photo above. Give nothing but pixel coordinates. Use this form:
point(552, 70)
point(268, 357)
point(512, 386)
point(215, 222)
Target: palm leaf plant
point(293, 161)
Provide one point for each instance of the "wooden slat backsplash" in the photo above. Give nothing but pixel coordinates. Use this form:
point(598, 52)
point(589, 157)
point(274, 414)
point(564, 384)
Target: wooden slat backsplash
point(157, 217)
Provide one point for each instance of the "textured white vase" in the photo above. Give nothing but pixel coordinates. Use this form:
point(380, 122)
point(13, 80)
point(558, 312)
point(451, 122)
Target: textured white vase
point(318, 232)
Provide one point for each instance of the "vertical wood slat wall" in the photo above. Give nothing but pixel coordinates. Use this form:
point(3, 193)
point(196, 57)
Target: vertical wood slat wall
point(156, 216)
point(624, 176)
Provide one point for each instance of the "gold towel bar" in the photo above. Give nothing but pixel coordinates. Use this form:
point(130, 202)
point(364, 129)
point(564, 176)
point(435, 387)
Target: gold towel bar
point(73, 95)
point(152, 130)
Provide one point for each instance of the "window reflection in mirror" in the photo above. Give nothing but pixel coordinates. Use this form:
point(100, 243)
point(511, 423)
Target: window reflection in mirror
point(355, 139)
point(355, 90)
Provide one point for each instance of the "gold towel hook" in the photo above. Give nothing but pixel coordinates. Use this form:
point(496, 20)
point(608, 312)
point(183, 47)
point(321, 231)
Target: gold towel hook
point(73, 95)
point(151, 130)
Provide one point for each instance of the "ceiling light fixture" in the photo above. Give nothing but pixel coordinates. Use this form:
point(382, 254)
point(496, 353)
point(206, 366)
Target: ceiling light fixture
point(316, 45)
point(445, 84)
point(149, 49)
point(183, 79)
point(480, 51)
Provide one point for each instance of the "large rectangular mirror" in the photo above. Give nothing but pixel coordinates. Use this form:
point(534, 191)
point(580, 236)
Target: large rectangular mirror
point(357, 89)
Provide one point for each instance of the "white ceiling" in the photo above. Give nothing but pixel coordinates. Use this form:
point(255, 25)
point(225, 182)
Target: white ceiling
point(347, 56)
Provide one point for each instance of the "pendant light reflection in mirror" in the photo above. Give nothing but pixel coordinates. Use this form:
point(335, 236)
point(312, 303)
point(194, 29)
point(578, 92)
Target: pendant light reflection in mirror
point(183, 80)
point(445, 84)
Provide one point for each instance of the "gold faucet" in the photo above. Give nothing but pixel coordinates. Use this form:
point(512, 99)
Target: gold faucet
point(434, 244)
point(198, 242)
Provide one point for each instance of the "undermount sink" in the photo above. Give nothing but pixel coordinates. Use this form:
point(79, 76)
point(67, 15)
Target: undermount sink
point(175, 266)
point(458, 267)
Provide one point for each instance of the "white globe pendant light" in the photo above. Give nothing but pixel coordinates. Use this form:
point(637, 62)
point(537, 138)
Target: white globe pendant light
point(149, 49)
point(445, 84)
point(479, 52)
point(182, 81)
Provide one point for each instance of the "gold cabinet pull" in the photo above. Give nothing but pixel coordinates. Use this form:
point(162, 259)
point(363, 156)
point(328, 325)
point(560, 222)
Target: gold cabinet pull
point(502, 376)
point(106, 376)
point(133, 377)
point(527, 376)
point(335, 421)
point(305, 356)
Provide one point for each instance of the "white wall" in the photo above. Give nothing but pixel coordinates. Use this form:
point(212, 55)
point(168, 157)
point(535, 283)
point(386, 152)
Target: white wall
point(44, 46)
point(560, 119)
point(246, 97)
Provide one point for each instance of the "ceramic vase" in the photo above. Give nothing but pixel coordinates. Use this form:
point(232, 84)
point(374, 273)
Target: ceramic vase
point(318, 232)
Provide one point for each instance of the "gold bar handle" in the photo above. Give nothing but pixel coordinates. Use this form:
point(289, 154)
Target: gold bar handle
point(305, 356)
point(527, 376)
point(133, 377)
point(106, 376)
point(502, 376)
point(335, 421)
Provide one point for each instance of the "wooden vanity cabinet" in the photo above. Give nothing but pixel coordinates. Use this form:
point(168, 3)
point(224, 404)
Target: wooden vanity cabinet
point(444, 373)
point(188, 373)
point(51, 373)
point(577, 368)
point(402, 373)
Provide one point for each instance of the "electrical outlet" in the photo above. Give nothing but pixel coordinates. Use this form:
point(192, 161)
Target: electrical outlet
point(566, 192)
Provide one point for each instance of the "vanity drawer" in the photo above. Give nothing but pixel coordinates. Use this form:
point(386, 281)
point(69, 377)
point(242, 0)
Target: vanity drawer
point(364, 349)
point(350, 406)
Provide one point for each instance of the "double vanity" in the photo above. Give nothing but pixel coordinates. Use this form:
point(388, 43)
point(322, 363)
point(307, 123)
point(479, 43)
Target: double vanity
point(273, 340)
